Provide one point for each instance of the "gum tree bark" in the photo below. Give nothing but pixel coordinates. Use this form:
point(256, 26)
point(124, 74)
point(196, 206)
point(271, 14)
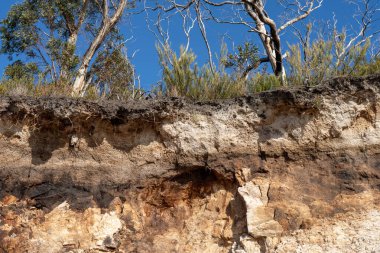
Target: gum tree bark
point(108, 23)
point(270, 39)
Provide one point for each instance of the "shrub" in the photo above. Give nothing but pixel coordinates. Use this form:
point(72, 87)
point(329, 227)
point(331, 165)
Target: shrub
point(57, 89)
point(315, 65)
point(326, 58)
point(263, 82)
point(112, 75)
point(369, 68)
point(183, 77)
point(17, 87)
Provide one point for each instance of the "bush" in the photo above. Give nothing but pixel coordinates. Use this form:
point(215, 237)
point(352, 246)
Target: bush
point(17, 87)
point(369, 68)
point(112, 75)
point(183, 77)
point(28, 87)
point(315, 65)
point(328, 58)
point(56, 89)
point(263, 82)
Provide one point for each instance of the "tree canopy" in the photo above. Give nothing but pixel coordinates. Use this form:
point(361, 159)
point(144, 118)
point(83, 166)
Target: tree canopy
point(47, 33)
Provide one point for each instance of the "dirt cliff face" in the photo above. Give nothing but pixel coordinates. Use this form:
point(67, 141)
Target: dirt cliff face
point(281, 171)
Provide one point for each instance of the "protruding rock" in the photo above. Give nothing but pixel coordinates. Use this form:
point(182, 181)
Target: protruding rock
point(260, 222)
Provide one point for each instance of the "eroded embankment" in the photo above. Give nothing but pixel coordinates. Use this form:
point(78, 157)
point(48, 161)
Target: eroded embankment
point(277, 172)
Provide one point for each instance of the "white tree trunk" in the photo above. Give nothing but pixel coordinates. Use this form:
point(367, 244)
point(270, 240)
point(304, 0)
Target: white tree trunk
point(255, 10)
point(79, 80)
point(271, 38)
point(267, 43)
point(284, 81)
point(107, 25)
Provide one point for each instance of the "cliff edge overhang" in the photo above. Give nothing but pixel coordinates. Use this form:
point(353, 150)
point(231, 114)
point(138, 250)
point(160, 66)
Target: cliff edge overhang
point(273, 172)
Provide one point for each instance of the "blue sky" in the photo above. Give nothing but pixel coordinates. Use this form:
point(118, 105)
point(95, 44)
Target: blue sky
point(142, 46)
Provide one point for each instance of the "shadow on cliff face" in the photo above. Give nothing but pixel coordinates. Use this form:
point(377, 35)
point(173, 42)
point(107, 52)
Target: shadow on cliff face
point(237, 210)
point(166, 205)
point(50, 192)
point(165, 193)
point(176, 203)
point(43, 142)
point(49, 135)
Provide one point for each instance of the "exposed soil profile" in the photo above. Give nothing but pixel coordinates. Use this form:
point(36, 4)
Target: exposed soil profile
point(281, 171)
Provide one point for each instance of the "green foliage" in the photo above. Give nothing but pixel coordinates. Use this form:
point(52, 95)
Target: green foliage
point(19, 79)
point(183, 77)
point(18, 31)
point(19, 70)
point(309, 65)
point(245, 57)
point(329, 57)
point(34, 22)
point(63, 53)
point(217, 85)
point(40, 30)
point(47, 31)
point(179, 74)
point(372, 67)
point(17, 87)
point(314, 66)
point(351, 58)
point(113, 74)
point(92, 93)
point(263, 82)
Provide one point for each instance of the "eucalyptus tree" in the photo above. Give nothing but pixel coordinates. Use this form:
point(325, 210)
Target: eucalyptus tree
point(252, 14)
point(62, 36)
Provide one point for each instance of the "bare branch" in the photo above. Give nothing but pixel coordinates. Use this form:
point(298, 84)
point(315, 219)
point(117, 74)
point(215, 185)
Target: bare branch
point(364, 17)
point(202, 28)
point(252, 67)
point(174, 6)
point(105, 9)
point(304, 39)
point(223, 3)
point(304, 14)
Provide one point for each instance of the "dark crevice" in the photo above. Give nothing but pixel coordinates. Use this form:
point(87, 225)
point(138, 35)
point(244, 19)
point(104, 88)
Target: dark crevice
point(263, 155)
point(200, 176)
point(261, 242)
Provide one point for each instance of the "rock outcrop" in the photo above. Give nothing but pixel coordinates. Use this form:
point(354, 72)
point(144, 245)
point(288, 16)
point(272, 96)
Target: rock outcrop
point(282, 171)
